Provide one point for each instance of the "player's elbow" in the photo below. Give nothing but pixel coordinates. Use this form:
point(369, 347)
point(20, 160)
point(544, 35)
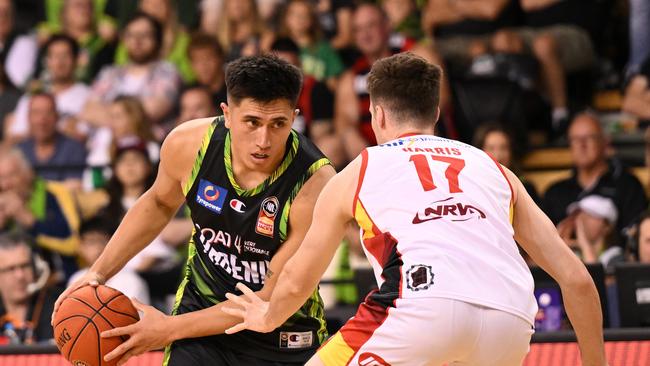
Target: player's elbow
point(578, 281)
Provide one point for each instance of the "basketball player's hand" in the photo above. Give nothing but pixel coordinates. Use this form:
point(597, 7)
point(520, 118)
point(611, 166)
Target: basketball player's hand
point(148, 334)
point(253, 311)
point(89, 279)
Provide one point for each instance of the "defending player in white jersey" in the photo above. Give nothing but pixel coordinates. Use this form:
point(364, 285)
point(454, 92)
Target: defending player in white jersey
point(438, 220)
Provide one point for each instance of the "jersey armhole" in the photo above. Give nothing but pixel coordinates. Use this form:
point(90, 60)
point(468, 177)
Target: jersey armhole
point(505, 176)
point(207, 137)
point(362, 173)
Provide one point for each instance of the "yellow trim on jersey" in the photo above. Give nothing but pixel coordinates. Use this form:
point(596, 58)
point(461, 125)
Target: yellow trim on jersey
point(364, 221)
point(336, 352)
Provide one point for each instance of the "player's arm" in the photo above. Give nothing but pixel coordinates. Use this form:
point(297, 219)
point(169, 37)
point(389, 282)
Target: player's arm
point(535, 232)
point(303, 271)
point(214, 320)
point(152, 211)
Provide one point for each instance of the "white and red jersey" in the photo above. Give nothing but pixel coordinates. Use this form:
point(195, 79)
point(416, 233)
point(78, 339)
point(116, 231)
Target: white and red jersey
point(435, 218)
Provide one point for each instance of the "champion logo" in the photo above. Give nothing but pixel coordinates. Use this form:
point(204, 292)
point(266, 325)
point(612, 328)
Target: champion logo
point(371, 359)
point(237, 205)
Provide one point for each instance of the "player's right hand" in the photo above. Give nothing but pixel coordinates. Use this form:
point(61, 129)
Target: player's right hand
point(89, 279)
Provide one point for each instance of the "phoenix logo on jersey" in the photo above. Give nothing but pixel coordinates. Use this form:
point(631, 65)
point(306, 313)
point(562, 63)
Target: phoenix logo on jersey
point(447, 209)
point(371, 359)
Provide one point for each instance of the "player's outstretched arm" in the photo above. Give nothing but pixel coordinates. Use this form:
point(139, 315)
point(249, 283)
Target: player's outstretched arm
point(302, 272)
point(152, 211)
point(535, 232)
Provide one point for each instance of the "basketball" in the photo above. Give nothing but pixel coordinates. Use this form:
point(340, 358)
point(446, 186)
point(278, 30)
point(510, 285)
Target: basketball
point(83, 316)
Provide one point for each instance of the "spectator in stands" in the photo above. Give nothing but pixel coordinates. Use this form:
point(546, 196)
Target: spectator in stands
point(27, 299)
point(351, 113)
point(639, 34)
point(153, 81)
point(46, 210)
point(207, 60)
point(555, 31)
point(196, 102)
point(461, 27)
point(317, 58)
point(18, 52)
point(175, 39)
point(404, 20)
point(636, 100)
point(594, 218)
point(240, 29)
point(497, 141)
point(95, 234)
point(61, 54)
point(53, 155)
point(128, 124)
point(9, 96)
point(335, 18)
point(594, 174)
point(640, 248)
point(85, 22)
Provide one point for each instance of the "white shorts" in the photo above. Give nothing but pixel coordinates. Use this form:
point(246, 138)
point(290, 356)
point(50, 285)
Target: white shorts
point(431, 331)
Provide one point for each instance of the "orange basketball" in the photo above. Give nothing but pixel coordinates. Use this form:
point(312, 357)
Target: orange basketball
point(83, 316)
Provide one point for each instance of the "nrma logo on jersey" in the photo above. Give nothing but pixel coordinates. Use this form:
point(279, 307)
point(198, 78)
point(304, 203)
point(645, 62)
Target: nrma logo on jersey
point(211, 196)
point(448, 209)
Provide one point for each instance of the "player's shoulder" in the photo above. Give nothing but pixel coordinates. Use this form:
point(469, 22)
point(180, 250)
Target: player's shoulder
point(188, 134)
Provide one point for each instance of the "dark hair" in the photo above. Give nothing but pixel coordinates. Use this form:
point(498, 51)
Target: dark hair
point(314, 32)
point(195, 87)
point(408, 86)
point(484, 129)
point(157, 26)
point(13, 239)
point(97, 224)
point(263, 78)
point(74, 46)
point(202, 40)
point(285, 44)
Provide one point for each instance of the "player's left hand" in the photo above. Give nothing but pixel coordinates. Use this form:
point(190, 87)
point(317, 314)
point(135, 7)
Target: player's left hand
point(149, 333)
point(254, 312)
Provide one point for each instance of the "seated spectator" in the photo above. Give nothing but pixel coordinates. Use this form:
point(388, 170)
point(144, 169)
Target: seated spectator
point(128, 124)
point(315, 103)
point(318, 59)
point(335, 18)
point(94, 235)
point(9, 96)
point(153, 81)
point(351, 107)
point(196, 102)
point(86, 23)
point(61, 54)
point(640, 247)
point(46, 210)
point(175, 38)
point(636, 100)
point(404, 20)
point(53, 155)
point(556, 33)
point(593, 219)
point(18, 52)
point(240, 29)
point(593, 173)
point(27, 300)
point(497, 141)
point(207, 60)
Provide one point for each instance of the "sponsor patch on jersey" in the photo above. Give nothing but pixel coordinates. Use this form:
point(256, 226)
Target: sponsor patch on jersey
point(266, 217)
point(419, 277)
point(371, 359)
point(448, 209)
point(296, 339)
point(211, 196)
point(237, 205)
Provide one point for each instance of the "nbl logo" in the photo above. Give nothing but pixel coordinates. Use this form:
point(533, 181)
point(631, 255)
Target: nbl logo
point(371, 359)
point(419, 277)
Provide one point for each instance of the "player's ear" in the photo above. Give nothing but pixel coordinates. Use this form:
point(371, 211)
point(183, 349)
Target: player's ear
point(226, 113)
point(380, 116)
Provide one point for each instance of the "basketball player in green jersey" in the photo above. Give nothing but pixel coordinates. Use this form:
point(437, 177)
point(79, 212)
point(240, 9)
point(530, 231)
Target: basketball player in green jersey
point(251, 183)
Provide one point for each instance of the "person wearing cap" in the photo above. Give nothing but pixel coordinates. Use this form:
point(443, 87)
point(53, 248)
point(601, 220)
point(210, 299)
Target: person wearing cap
point(594, 219)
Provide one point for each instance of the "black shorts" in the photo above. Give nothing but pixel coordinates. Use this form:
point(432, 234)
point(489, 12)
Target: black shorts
point(204, 351)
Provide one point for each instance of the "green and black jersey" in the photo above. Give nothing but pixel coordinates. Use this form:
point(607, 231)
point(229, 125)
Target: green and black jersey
point(237, 232)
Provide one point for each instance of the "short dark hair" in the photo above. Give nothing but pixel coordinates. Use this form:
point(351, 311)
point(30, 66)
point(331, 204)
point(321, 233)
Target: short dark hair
point(97, 224)
point(263, 78)
point(74, 46)
point(484, 129)
point(157, 26)
point(285, 44)
point(13, 239)
point(407, 85)
point(202, 40)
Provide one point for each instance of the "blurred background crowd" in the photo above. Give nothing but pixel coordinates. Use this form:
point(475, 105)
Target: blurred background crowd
point(556, 90)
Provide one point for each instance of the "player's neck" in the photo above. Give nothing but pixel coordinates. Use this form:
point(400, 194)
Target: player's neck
point(249, 177)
